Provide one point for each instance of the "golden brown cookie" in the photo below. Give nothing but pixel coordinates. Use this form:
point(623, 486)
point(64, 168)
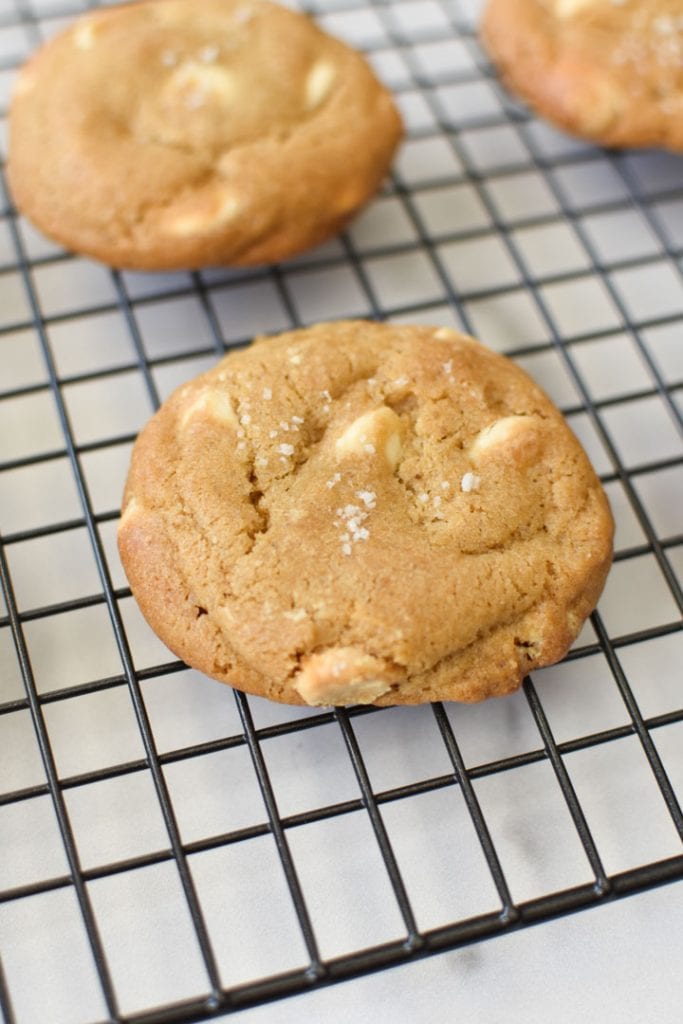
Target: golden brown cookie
point(608, 70)
point(363, 513)
point(172, 133)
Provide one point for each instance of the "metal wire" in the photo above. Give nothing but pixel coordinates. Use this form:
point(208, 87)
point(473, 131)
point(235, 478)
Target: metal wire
point(416, 943)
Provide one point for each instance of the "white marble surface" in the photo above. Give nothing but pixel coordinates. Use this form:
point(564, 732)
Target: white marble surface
point(615, 964)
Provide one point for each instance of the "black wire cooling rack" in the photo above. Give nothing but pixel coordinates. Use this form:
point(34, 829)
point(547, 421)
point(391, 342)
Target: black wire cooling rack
point(565, 257)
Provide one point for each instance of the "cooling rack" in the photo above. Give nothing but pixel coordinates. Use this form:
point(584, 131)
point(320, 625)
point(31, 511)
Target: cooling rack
point(171, 850)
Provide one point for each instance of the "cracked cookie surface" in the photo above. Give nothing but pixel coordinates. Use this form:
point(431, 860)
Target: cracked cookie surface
point(170, 134)
point(607, 70)
point(364, 513)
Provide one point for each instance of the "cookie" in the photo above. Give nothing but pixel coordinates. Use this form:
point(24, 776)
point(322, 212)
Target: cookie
point(608, 70)
point(169, 134)
point(364, 513)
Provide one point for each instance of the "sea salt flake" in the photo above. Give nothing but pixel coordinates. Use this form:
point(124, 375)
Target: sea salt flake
point(367, 497)
point(346, 549)
point(369, 449)
point(272, 434)
point(243, 15)
point(267, 394)
point(297, 419)
point(286, 449)
point(208, 54)
point(424, 498)
point(195, 100)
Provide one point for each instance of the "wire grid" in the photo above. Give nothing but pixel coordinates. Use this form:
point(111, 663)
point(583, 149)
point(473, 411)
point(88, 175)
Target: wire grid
point(422, 824)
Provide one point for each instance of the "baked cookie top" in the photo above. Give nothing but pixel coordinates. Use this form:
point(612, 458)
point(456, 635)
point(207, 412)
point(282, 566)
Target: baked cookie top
point(607, 70)
point(364, 513)
point(172, 134)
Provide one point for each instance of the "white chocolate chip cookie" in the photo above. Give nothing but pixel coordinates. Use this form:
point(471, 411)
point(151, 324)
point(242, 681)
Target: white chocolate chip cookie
point(362, 513)
point(166, 134)
point(606, 70)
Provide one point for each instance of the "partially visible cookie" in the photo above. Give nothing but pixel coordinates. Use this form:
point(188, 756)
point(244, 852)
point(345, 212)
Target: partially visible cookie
point(171, 133)
point(363, 513)
point(607, 70)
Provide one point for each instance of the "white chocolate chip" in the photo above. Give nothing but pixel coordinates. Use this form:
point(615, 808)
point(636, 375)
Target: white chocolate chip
point(84, 35)
point(197, 84)
point(213, 405)
point(320, 79)
point(570, 8)
point(343, 675)
point(501, 434)
point(393, 450)
point(376, 431)
point(204, 217)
